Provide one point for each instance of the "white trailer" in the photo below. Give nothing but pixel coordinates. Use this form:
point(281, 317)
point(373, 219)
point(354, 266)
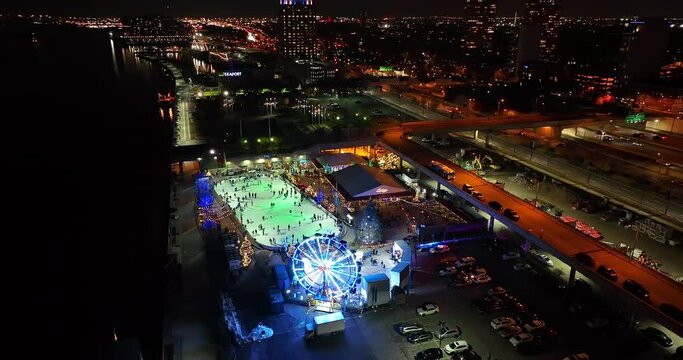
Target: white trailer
point(325, 324)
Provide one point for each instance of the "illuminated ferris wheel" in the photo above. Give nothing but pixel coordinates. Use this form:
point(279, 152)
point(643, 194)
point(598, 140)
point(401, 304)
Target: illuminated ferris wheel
point(323, 266)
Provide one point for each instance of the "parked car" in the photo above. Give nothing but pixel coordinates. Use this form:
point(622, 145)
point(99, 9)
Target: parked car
point(636, 289)
point(420, 337)
point(672, 311)
point(460, 282)
point(481, 279)
point(409, 328)
point(429, 354)
point(607, 272)
point(639, 135)
point(497, 290)
point(544, 259)
point(476, 271)
point(585, 259)
point(457, 347)
point(502, 321)
point(439, 249)
point(465, 261)
point(534, 325)
point(449, 333)
point(510, 255)
point(521, 338)
point(477, 195)
point(469, 355)
point(657, 336)
point(506, 332)
point(521, 266)
point(495, 205)
point(590, 207)
point(524, 317)
point(514, 306)
point(486, 305)
point(448, 271)
point(613, 214)
point(427, 309)
point(660, 137)
point(511, 214)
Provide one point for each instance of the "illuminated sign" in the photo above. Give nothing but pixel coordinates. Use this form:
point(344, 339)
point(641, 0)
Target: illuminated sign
point(381, 190)
point(212, 93)
point(232, 73)
point(386, 68)
point(635, 118)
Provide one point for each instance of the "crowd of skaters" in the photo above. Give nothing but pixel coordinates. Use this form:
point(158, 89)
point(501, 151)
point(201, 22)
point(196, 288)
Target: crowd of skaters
point(237, 189)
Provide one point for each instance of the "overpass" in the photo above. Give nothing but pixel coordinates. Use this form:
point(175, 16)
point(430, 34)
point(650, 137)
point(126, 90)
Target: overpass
point(544, 230)
point(498, 123)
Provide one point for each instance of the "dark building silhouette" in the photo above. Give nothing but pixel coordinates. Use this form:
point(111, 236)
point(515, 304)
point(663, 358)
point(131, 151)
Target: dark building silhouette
point(643, 50)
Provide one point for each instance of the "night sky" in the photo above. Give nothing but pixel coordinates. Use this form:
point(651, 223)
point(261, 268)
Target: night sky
point(670, 8)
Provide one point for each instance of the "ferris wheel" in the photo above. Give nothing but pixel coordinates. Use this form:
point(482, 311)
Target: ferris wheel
point(323, 266)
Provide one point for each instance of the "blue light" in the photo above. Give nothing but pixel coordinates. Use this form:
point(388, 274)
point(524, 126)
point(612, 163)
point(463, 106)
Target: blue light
point(324, 267)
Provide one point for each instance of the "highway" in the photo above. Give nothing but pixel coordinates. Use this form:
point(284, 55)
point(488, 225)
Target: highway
point(651, 204)
point(559, 238)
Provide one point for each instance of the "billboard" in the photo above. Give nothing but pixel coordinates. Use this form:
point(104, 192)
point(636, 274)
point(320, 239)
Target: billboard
point(635, 118)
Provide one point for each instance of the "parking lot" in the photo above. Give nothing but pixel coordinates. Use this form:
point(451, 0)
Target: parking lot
point(373, 334)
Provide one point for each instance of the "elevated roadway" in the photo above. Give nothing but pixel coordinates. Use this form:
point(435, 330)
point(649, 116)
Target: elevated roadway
point(545, 231)
point(497, 123)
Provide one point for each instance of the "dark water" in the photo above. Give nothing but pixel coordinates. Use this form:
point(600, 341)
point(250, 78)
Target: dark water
point(86, 159)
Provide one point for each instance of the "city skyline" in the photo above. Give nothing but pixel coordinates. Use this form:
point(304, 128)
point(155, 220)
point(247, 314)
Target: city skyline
point(572, 8)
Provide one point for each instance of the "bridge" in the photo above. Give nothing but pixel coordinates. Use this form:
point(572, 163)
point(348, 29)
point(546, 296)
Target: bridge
point(539, 227)
point(498, 123)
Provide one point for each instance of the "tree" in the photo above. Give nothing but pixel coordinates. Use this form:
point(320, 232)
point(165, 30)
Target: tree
point(369, 227)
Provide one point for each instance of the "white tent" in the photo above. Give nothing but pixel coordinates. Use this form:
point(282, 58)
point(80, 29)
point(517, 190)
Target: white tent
point(361, 181)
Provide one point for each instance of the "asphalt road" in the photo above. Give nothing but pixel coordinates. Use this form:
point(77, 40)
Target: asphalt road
point(559, 236)
point(635, 197)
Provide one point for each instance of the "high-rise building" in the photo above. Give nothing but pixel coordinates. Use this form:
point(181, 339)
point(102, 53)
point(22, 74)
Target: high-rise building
point(643, 50)
point(297, 30)
point(538, 31)
point(478, 39)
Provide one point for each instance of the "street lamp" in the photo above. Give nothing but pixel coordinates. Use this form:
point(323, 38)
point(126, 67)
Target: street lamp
point(500, 101)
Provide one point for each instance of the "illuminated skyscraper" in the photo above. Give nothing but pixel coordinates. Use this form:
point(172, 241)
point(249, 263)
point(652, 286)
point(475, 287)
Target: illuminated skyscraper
point(297, 30)
point(538, 32)
point(481, 17)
